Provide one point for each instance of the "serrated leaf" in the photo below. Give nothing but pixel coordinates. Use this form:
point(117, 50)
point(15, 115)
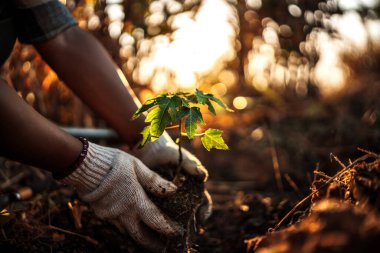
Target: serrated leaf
point(210, 107)
point(183, 112)
point(177, 101)
point(159, 118)
point(192, 120)
point(200, 117)
point(158, 125)
point(192, 98)
point(152, 114)
point(202, 97)
point(185, 103)
point(212, 138)
point(145, 107)
point(145, 136)
point(221, 104)
point(173, 110)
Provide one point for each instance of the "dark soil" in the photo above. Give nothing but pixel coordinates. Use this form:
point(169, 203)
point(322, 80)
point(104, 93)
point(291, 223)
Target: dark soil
point(181, 207)
point(342, 216)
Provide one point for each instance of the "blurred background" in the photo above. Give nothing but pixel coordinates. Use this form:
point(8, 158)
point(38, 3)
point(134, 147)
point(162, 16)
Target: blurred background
point(303, 77)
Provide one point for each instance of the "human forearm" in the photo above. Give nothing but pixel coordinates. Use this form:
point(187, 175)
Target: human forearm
point(28, 137)
point(84, 65)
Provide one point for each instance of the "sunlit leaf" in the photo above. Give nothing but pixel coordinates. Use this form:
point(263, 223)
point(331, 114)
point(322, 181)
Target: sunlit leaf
point(152, 114)
point(145, 107)
point(212, 138)
point(145, 136)
point(173, 108)
point(202, 97)
point(221, 104)
point(159, 118)
point(191, 121)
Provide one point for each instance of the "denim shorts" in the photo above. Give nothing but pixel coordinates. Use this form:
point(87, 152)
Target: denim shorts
point(39, 20)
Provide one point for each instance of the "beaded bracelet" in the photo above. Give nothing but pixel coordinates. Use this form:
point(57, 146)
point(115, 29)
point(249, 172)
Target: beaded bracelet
point(63, 173)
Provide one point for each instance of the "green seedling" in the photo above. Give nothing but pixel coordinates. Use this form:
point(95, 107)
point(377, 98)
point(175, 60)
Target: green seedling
point(181, 110)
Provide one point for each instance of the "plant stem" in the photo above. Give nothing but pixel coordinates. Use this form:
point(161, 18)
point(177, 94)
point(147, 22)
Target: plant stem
point(180, 158)
point(185, 134)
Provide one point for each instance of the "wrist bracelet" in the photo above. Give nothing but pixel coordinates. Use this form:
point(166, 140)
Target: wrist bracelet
point(65, 172)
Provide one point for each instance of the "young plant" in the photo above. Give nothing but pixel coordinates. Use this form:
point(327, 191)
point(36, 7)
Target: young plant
point(182, 110)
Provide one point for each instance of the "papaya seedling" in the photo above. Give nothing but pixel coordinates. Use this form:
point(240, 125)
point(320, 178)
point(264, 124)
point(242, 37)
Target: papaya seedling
point(181, 110)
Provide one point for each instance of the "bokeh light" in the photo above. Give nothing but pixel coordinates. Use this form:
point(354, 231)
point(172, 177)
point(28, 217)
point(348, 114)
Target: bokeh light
point(240, 103)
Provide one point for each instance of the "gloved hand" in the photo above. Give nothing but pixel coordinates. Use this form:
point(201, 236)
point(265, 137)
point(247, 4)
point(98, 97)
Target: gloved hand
point(165, 151)
point(113, 183)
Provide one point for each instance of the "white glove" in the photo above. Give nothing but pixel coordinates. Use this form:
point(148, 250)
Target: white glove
point(165, 151)
point(113, 183)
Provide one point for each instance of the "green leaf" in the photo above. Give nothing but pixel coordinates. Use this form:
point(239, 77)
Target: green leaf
point(212, 138)
point(145, 136)
point(145, 107)
point(173, 110)
point(177, 101)
point(159, 118)
point(192, 98)
point(192, 120)
point(200, 117)
point(152, 114)
point(185, 102)
point(184, 111)
point(221, 104)
point(210, 107)
point(202, 97)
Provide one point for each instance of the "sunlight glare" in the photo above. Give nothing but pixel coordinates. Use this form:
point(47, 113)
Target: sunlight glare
point(373, 29)
point(199, 45)
point(351, 28)
point(254, 4)
point(329, 72)
point(356, 4)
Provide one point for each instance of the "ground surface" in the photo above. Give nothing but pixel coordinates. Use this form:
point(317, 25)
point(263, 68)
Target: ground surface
point(46, 223)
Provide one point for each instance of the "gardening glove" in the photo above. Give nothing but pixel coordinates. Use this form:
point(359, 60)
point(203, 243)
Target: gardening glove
point(165, 151)
point(113, 183)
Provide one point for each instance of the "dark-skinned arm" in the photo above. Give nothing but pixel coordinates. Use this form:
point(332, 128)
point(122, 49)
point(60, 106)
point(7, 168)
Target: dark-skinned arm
point(85, 66)
point(28, 137)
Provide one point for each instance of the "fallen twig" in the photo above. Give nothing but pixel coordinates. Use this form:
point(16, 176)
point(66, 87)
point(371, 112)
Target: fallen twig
point(85, 237)
point(276, 165)
point(369, 152)
point(360, 159)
